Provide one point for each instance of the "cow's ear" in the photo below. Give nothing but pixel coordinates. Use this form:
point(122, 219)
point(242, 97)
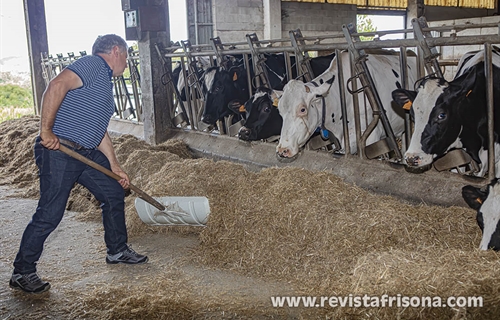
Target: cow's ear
point(404, 98)
point(236, 106)
point(322, 90)
point(275, 97)
point(236, 73)
point(474, 196)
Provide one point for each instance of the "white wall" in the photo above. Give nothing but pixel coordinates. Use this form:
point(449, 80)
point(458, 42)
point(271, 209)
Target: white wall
point(456, 52)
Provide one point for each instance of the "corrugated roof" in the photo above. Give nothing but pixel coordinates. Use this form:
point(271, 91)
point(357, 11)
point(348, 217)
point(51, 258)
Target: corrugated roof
point(401, 4)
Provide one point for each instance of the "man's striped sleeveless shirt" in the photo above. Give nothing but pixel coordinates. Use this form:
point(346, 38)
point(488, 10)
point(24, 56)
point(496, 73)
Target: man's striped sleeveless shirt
point(84, 114)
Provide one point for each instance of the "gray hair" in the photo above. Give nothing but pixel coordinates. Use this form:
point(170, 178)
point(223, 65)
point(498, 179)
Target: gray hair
point(105, 43)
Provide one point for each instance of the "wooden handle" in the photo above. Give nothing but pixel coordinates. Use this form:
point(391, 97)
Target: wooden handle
point(111, 174)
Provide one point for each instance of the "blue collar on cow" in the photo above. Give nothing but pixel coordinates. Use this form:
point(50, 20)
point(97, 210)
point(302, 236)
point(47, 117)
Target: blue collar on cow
point(323, 106)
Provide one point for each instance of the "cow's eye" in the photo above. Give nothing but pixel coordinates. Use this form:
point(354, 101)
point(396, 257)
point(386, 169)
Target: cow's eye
point(217, 88)
point(442, 116)
point(302, 110)
point(267, 109)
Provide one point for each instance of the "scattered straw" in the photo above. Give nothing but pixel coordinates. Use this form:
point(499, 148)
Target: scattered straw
point(309, 229)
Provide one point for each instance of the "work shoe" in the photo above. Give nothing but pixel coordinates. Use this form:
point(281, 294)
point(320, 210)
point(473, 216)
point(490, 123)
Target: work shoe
point(28, 282)
point(127, 256)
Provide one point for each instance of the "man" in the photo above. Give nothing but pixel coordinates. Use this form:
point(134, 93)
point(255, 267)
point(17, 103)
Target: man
point(76, 108)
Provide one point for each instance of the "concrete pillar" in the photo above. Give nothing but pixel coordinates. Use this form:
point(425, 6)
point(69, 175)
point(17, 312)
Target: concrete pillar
point(272, 19)
point(34, 14)
point(156, 98)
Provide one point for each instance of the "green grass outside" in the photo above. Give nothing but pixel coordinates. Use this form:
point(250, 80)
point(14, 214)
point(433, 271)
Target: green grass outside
point(15, 102)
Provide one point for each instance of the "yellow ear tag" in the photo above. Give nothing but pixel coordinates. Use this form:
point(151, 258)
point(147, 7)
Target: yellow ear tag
point(479, 201)
point(407, 105)
point(275, 102)
point(242, 109)
point(235, 76)
point(468, 93)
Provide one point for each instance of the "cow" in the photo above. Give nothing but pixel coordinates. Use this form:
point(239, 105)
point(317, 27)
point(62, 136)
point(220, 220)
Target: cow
point(178, 76)
point(262, 119)
point(307, 106)
point(234, 85)
point(486, 201)
point(222, 87)
point(451, 115)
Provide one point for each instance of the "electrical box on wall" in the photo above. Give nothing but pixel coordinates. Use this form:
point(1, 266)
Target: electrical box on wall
point(132, 4)
point(143, 18)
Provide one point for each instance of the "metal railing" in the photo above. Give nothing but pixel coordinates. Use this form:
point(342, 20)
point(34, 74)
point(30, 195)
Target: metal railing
point(126, 90)
point(419, 39)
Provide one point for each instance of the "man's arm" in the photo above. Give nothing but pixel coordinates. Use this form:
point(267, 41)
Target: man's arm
point(106, 147)
point(51, 101)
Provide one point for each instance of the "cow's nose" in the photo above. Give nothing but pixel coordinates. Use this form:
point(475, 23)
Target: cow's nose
point(412, 160)
point(244, 133)
point(283, 152)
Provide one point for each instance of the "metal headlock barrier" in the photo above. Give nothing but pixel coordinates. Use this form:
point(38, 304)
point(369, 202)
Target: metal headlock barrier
point(419, 38)
point(127, 91)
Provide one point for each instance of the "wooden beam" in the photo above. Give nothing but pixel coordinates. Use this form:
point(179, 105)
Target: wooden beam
point(36, 31)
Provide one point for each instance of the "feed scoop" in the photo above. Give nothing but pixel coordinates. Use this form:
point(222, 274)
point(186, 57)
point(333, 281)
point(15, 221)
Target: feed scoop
point(192, 211)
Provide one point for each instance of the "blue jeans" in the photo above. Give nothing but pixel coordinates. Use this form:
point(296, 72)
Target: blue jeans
point(58, 173)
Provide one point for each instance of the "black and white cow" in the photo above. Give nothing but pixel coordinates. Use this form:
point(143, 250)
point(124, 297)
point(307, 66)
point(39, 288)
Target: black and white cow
point(201, 65)
point(262, 119)
point(453, 114)
point(487, 203)
point(221, 85)
point(301, 104)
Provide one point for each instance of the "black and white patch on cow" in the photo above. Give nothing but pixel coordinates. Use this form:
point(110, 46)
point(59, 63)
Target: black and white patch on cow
point(486, 201)
point(222, 87)
point(453, 114)
point(262, 119)
point(202, 64)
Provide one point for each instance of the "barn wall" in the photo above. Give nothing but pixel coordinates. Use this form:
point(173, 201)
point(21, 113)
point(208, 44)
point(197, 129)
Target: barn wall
point(234, 19)
point(315, 19)
point(456, 52)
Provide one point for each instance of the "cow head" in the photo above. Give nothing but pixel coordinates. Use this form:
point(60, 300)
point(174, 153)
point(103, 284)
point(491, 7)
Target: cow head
point(300, 107)
point(446, 119)
point(262, 117)
point(486, 201)
point(437, 111)
point(421, 104)
point(223, 86)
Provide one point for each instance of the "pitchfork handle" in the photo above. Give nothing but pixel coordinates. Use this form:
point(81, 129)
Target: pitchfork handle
point(111, 174)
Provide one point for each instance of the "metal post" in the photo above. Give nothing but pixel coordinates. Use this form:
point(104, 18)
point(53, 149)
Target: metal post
point(488, 72)
point(343, 104)
point(369, 88)
point(355, 104)
point(430, 54)
point(302, 57)
point(403, 63)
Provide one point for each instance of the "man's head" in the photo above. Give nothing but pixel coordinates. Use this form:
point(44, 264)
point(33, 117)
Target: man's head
point(113, 49)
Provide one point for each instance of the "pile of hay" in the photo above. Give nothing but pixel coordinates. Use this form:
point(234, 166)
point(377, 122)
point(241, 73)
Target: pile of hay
point(316, 232)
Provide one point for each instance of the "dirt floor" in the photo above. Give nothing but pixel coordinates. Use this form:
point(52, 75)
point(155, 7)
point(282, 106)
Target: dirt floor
point(73, 262)
point(277, 232)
